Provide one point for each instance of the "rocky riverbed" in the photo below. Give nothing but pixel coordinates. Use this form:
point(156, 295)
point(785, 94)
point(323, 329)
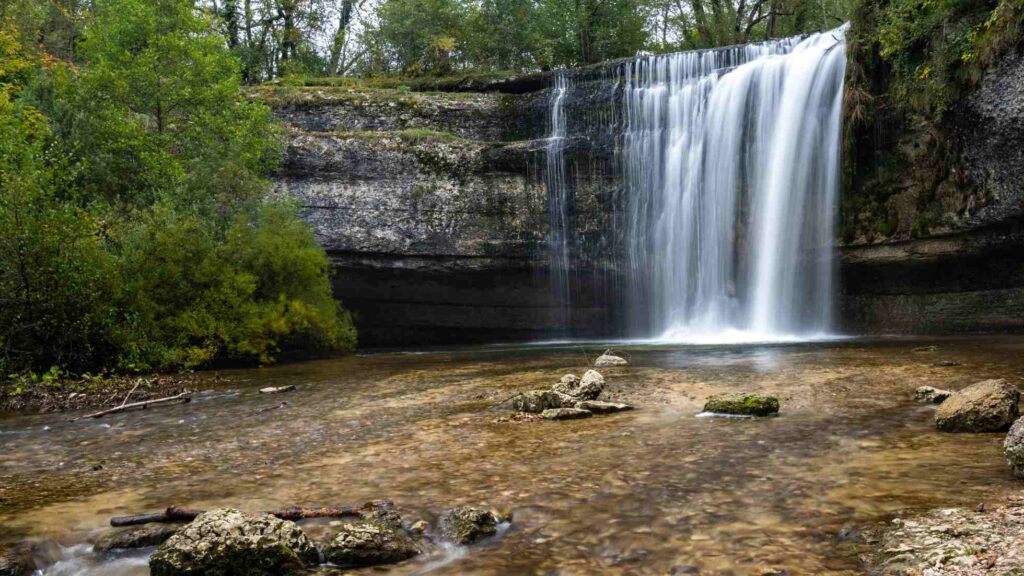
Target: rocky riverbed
point(647, 491)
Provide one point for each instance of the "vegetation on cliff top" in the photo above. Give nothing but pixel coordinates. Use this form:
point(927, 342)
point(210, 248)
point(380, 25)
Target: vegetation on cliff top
point(911, 62)
point(135, 232)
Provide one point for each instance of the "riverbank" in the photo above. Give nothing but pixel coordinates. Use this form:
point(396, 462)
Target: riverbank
point(43, 396)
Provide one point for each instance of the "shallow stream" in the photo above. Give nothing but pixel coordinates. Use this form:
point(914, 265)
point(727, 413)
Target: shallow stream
point(643, 492)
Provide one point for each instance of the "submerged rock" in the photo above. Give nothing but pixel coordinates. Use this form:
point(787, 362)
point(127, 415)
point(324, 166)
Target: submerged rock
point(599, 407)
point(566, 414)
point(945, 363)
point(987, 406)
point(1013, 448)
point(607, 360)
point(141, 537)
point(587, 388)
point(537, 401)
point(747, 405)
point(369, 543)
point(229, 542)
point(468, 525)
point(931, 395)
point(25, 558)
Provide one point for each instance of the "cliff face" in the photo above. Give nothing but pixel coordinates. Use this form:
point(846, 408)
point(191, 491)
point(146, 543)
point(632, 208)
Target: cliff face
point(433, 209)
point(933, 204)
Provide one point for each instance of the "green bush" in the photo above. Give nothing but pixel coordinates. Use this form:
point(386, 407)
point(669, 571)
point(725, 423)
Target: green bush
point(136, 227)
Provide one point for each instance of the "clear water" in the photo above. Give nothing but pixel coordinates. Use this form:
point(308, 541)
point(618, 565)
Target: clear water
point(635, 493)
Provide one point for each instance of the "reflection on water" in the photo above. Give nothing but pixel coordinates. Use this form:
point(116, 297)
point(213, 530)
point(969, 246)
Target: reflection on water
point(638, 492)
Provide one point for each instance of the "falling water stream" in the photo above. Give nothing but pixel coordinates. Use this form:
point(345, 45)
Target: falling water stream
point(730, 163)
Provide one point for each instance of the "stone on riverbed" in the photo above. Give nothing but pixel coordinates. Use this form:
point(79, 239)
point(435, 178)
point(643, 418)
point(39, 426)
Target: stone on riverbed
point(1013, 448)
point(141, 537)
point(229, 542)
point(931, 395)
point(369, 543)
point(599, 407)
point(537, 401)
point(468, 525)
point(566, 414)
point(587, 388)
point(607, 360)
point(746, 405)
point(988, 406)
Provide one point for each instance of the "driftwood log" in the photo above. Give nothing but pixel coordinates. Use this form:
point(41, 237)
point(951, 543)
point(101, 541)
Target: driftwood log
point(184, 397)
point(181, 514)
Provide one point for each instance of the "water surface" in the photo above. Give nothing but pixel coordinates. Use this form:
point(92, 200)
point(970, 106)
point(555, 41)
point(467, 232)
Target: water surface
point(643, 492)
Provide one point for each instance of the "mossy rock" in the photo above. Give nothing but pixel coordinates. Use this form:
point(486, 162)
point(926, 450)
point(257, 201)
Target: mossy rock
point(747, 405)
point(226, 542)
point(369, 543)
point(467, 525)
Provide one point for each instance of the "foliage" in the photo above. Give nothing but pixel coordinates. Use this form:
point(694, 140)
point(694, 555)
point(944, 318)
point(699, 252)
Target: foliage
point(136, 231)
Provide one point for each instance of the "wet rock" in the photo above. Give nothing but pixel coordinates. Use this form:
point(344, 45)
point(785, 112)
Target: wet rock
point(22, 559)
point(945, 363)
point(747, 405)
point(468, 525)
point(921, 349)
point(229, 542)
point(931, 395)
point(599, 407)
point(369, 543)
point(1013, 448)
point(587, 388)
point(537, 401)
point(566, 414)
point(607, 360)
point(141, 537)
point(988, 406)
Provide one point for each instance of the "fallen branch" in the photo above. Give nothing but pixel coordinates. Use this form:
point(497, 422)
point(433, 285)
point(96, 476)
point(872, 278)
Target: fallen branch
point(180, 514)
point(277, 390)
point(274, 407)
point(185, 397)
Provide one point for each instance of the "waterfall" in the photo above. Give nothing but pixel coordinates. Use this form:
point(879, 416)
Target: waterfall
point(560, 231)
point(731, 163)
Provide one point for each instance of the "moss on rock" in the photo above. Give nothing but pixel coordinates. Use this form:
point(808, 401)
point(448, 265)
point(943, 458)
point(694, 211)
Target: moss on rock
point(747, 405)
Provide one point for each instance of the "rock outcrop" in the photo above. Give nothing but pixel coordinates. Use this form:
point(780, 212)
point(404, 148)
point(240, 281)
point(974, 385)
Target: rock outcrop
point(570, 398)
point(229, 542)
point(987, 406)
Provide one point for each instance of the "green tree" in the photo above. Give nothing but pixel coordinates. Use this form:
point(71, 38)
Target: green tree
point(418, 36)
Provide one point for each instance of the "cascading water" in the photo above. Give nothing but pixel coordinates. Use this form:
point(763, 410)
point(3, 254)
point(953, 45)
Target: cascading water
point(731, 159)
point(559, 202)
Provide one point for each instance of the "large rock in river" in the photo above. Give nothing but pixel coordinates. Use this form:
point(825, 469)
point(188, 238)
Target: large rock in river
point(369, 543)
point(537, 401)
point(587, 388)
point(607, 360)
point(467, 525)
point(140, 537)
point(1013, 448)
point(227, 542)
point(743, 405)
point(988, 406)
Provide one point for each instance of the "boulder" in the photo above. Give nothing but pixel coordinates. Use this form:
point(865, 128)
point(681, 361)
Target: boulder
point(745, 405)
point(141, 537)
point(931, 395)
point(226, 542)
point(566, 414)
point(988, 406)
point(467, 525)
point(587, 388)
point(1013, 448)
point(537, 401)
point(607, 360)
point(599, 407)
point(369, 543)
